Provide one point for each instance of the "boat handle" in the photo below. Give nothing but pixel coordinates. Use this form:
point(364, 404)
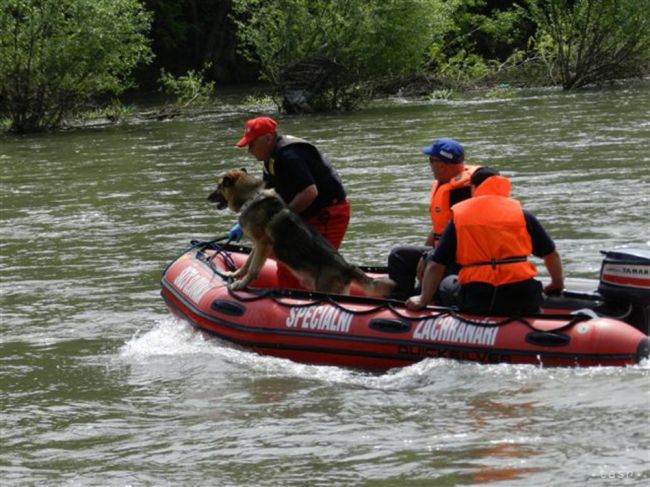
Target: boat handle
point(547, 339)
point(228, 307)
point(387, 325)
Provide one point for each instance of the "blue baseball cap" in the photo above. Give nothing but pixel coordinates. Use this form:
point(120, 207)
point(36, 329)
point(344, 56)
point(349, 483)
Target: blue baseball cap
point(447, 150)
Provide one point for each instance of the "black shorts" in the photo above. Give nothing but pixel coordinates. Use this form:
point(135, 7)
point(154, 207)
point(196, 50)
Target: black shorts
point(518, 298)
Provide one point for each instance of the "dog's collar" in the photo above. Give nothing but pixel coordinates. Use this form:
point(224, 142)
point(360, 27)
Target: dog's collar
point(258, 196)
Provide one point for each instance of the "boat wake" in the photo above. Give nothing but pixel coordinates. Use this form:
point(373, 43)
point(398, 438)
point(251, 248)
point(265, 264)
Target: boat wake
point(169, 336)
point(175, 337)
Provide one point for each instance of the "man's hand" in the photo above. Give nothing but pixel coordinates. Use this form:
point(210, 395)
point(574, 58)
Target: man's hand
point(415, 303)
point(553, 289)
point(236, 233)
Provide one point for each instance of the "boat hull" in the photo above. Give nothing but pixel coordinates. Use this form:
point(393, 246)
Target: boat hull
point(360, 332)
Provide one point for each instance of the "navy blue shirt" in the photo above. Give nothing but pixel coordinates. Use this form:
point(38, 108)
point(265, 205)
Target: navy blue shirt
point(298, 166)
point(445, 252)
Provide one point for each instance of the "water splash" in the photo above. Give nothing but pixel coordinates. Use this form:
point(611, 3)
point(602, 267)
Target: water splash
point(169, 336)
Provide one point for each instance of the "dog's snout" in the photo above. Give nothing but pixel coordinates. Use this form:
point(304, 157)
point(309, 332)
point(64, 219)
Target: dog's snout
point(217, 197)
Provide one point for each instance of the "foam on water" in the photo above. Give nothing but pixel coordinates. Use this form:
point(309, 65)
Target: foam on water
point(169, 336)
point(173, 337)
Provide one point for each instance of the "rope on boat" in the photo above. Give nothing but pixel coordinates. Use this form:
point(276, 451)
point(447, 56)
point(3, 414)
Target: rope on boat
point(219, 250)
point(277, 295)
point(193, 244)
point(628, 312)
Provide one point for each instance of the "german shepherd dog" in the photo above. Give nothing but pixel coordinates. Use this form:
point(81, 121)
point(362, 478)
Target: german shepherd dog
point(277, 231)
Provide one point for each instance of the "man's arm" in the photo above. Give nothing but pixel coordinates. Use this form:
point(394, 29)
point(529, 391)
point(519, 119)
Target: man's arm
point(304, 199)
point(437, 261)
point(544, 247)
point(433, 274)
point(553, 264)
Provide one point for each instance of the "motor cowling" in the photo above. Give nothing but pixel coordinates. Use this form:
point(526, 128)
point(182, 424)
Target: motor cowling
point(625, 282)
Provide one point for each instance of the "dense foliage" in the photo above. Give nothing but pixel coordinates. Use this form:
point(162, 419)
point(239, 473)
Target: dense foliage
point(192, 35)
point(481, 37)
point(55, 55)
point(321, 54)
point(590, 41)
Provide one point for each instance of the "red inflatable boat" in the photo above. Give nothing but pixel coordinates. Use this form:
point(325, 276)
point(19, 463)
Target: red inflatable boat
point(356, 331)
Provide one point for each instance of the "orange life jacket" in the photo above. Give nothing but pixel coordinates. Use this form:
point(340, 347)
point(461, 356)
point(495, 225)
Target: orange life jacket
point(439, 207)
point(492, 241)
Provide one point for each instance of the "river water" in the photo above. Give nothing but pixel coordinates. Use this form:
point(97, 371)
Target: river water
point(101, 386)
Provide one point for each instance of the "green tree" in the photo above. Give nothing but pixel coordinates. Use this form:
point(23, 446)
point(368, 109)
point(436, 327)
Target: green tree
point(323, 54)
point(590, 41)
point(57, 55)
point(483, 38)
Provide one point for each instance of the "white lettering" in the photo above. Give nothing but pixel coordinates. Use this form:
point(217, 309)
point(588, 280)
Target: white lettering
point(625, 270)
point(435, 331)
point(490, 335)
point(427, 329)
point(291, 320)
point(192, 283)
point(328, 319)
point(316, 318)
point(306, 321)
point(460, 331)
point(478, 336)
point(450, 329)
point(320, 318)
point(418, 334)
point(346, 322)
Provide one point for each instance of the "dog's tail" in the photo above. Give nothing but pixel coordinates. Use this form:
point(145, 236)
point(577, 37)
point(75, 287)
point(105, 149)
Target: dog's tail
point(379, 287)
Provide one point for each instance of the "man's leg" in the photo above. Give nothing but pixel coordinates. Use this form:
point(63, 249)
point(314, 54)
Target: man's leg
point(402, 267)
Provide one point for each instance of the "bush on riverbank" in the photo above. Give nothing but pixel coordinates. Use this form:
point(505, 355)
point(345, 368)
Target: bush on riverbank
point(61, 59)
point(325, 54)
point(57, 55)
point(330, 55)
point(591, 41)
point(188, 90)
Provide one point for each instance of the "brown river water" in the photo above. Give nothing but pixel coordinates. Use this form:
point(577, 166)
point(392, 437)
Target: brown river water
point(99, 385)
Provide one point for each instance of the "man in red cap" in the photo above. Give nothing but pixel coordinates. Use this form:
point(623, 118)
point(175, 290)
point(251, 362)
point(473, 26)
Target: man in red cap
point(303, 178)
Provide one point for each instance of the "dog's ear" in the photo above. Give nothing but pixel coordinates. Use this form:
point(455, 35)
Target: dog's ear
point(227, 181)
point(243, 169)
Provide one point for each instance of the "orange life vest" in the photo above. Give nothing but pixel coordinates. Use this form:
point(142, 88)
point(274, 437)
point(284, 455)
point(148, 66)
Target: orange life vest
point(492, 241)
point(439, 207)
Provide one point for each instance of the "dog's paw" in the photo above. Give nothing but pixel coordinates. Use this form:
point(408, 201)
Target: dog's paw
point(232, 274)
point(237, 285)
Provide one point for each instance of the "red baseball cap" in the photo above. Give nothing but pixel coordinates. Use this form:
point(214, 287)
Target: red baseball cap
point(256, 127)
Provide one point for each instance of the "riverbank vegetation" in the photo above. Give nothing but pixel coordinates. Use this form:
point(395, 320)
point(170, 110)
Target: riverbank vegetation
point(59, 55)
point(62, 58)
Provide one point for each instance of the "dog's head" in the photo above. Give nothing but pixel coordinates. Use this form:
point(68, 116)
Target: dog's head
point(233, 189)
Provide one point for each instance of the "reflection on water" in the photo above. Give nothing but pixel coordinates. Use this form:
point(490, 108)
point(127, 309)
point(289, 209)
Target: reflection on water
point(101, 386)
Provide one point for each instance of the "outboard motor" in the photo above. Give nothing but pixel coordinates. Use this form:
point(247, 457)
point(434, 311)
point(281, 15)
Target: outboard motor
point(625, 286)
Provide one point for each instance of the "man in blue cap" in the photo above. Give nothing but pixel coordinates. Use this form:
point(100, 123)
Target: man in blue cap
point(491, 236)
point(451, 185)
